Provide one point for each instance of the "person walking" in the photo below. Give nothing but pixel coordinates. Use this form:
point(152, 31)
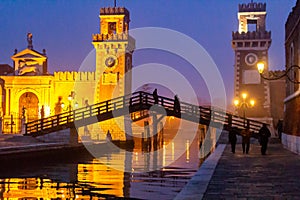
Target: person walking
point(279, 127)
point(176, 104)
point(232, 139)
point(246, 135)
point(155, 96)
point(264, 134)
point(42, 112)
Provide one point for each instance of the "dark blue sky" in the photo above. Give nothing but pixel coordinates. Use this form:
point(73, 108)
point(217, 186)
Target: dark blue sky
point(64, 28)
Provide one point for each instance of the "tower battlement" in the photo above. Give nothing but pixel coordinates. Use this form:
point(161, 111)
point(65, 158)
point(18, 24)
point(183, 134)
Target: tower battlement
point(110, 37)
point(74, 76)
point(114, 11)
point(252, 7)
point(251, 35)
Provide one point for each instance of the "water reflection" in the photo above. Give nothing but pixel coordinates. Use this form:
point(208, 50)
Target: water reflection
point(95, 178)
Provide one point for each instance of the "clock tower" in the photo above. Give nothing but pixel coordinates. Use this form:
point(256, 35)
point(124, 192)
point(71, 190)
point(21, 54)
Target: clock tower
point(251, 44)
point(114, 49)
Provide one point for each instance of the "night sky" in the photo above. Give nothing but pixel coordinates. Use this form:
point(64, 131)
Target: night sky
point(64, 28)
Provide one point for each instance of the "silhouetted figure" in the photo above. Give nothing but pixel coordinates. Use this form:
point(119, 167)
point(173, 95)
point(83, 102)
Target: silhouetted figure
point(108, 136)
point(279, 127)
point(155, 96)
point(58, 106)
point(232, 139)
point(264, 135)
point(23, 112)
point(176, 105)
point(42, 112)
point(246, 135)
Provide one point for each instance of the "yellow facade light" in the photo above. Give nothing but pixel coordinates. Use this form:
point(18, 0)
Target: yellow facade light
point(260, 67)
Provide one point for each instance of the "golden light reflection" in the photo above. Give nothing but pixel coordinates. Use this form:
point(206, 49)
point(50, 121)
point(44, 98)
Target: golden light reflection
point(187, 146)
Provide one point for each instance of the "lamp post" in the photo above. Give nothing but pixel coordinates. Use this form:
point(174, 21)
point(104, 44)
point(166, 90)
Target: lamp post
point(244, 104)
point(70, 100)
point(261, 67)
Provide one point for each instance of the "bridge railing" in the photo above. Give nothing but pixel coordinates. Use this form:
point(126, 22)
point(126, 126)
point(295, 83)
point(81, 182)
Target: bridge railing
point(66, 118)
point(139, 101)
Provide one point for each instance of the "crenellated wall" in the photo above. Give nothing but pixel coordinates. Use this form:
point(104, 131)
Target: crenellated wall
point(74, 76)
point(252, 7)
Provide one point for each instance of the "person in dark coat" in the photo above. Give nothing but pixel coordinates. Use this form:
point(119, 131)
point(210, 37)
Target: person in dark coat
point(176, 104)
point(246, 135)
point(279, 127)
point(155, 96)
point(232, 139)
point(264, 134)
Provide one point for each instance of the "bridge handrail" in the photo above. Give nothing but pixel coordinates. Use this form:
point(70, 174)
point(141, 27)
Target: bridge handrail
point(140, 100)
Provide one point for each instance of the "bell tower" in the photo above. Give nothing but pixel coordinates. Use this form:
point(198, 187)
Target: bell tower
point(251, 44)
point(114, 48)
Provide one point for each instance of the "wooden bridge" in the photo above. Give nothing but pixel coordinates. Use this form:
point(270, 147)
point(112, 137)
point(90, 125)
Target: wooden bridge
point(137, 105)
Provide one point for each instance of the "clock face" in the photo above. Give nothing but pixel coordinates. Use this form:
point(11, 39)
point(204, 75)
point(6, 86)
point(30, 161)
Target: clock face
point(251, 59)
point(110, 61)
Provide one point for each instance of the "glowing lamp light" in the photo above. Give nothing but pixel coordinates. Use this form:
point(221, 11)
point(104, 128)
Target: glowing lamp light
point(236, 102)
point(69, 97)
point(76, 104)
point(260, 67)
point(252, 102)
point(62, 105)
point(47, 111)
point(244, 96)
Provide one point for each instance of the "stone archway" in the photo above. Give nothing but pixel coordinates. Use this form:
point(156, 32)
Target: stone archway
point(30, 102)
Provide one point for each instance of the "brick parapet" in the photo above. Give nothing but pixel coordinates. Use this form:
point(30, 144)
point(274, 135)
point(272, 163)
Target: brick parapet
point(252, 7)
point(74, 76)
point(251, 35)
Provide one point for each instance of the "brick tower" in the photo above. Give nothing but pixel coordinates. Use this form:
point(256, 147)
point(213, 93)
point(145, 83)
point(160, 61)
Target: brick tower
point(251, 44)
point(114, 48)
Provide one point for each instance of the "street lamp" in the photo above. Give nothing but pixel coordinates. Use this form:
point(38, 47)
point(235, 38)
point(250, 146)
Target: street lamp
point(69, 99)
point(244, 104)
point(261, 67)
point(69, 108)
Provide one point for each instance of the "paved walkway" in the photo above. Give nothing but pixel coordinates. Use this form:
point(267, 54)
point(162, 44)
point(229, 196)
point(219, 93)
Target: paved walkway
point(11, 144)
point(247, 176)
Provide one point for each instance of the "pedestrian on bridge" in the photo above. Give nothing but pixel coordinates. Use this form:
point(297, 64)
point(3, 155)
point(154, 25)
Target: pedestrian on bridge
point(176, 105)
point(108, 136)
point(232, 138)
point(246, 135)
point(264, 134)
point(155, 96)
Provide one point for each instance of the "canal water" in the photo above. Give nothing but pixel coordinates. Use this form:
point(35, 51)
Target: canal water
point(89, 178)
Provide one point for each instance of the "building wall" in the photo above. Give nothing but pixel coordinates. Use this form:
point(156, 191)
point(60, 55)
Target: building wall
point(277, 95)
point(292, 51)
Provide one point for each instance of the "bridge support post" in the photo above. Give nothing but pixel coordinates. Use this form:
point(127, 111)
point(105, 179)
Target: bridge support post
point(155, 131)
point(73, 136)
point(209, 142)
point(146, 140)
